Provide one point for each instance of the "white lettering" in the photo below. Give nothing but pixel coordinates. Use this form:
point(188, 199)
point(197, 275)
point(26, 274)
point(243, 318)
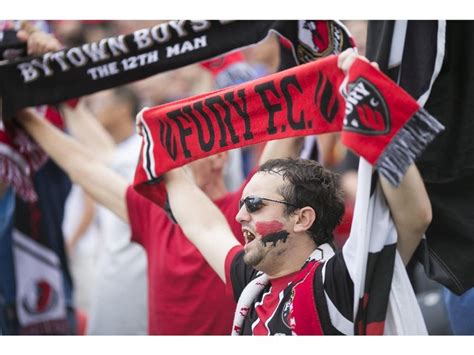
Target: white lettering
point(43, 65)
point(179, 27)
point(129, 63)
point(198, 26)
point(142, 59)
point(117, 45)
point(59, 58)
point(139, 60)
point(142, 38)
point(76, 57)
point(161, 33)
point(352, 100)
point(96, 51)
point(103, 71)
point(92, 72)
point(357, 93)
point(187, 47)
point(361, 89)
point(28, 71)
point(172, 51)
point(152, 57)
point(200, 42)
point(113, 68)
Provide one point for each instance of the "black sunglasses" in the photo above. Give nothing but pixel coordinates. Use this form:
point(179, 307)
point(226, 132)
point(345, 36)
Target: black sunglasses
point(254, 203)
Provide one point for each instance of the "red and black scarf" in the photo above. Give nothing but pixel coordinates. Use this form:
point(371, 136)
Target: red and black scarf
point(378, 120)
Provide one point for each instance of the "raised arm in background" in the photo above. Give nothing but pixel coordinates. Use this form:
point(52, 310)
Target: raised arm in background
point(83, 167)
point(86, 129)
point(410, 208)
point(204, 225)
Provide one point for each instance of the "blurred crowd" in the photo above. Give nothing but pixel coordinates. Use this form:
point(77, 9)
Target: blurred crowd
point(93, 234)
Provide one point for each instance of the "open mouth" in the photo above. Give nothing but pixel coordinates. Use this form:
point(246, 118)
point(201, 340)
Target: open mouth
point(249, 236)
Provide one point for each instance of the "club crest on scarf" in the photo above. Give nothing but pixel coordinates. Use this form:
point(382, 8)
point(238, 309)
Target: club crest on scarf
point(318, 39)
point(42, 298)
point(366, 109)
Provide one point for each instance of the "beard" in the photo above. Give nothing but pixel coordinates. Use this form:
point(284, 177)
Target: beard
point(254, 255)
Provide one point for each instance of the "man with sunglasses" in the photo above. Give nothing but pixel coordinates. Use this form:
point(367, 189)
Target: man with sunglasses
point(287, 279)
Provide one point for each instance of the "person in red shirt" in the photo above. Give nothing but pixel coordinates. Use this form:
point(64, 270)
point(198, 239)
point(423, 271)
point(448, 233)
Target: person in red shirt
point(185, 295)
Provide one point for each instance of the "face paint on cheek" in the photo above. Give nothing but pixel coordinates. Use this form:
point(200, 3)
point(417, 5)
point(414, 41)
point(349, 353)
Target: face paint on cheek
point(275, 237)
point(265, 228)
point(271, 231)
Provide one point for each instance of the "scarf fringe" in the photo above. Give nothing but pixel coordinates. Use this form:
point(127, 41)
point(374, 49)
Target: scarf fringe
point(246, 300)
point(12, 174)
point(407, 145)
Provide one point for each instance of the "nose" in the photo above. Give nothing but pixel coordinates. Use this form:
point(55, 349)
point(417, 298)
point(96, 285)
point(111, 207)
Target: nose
point(242, 216)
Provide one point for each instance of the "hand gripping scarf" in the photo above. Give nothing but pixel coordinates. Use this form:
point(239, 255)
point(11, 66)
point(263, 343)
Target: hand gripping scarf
point(378, 120)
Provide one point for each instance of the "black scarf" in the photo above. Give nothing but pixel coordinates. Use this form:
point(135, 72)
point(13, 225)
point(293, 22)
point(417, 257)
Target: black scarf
point(57, 76)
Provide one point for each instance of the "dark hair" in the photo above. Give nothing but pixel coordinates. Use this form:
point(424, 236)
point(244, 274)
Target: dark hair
point(308, 183)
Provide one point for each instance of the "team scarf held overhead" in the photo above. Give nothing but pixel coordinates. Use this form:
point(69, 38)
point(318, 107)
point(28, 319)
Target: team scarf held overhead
point(378, 120)
point(73, 72)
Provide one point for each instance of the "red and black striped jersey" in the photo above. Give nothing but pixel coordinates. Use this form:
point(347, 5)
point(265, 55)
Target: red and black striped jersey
point(317, 300)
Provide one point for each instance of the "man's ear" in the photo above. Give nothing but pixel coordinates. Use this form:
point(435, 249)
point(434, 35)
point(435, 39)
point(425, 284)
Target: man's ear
point(305, 217)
